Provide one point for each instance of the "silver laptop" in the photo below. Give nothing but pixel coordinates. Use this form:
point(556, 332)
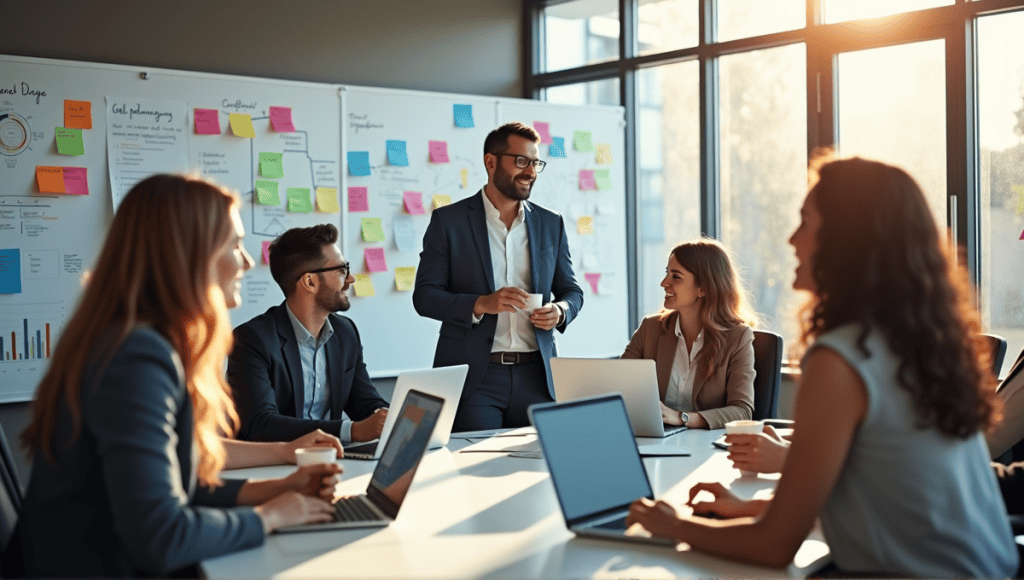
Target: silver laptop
point(444, 382)
point(635, 379)
point(595, 465)
point(393, 475)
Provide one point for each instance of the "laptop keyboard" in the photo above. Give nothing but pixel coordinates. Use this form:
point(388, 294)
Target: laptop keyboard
point(354, 509)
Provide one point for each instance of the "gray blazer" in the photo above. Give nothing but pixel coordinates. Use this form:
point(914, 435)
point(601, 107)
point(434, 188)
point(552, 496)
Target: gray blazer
point(122, 498)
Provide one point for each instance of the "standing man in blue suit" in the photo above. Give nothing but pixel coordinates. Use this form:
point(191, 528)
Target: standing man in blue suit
point(481, 259)
point(297, 366)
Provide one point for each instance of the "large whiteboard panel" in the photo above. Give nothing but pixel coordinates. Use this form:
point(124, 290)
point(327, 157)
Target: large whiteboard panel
point(58, 236)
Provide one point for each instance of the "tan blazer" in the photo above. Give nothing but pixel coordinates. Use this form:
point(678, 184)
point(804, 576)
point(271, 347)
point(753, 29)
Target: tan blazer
point(728, 394)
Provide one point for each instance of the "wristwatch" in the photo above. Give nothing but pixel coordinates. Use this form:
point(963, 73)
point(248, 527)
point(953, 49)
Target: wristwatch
point(685, 417)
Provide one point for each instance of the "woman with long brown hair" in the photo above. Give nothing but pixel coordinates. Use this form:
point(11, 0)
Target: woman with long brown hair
point(134, 405)
point(888, 448)
point(701, 341)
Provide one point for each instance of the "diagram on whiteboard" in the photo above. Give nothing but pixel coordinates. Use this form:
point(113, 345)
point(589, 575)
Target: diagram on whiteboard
point(15, 132)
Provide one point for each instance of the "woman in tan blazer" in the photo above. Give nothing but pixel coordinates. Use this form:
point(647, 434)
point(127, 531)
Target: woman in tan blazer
point(701, 341)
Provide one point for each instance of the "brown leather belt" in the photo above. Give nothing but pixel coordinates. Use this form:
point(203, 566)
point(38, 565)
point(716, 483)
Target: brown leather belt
point(515, 358)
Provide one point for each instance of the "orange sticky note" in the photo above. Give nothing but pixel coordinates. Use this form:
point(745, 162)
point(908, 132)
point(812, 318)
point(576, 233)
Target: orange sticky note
point(50, 179)
point(77, 114)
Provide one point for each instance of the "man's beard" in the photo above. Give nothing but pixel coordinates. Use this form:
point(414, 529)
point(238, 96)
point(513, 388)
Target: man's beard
point(505, 184)
point(331, 301)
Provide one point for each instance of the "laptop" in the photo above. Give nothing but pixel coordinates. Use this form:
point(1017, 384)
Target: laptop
point(635, 379)
point(443, 382)
point(392, 478)
point(595, 465)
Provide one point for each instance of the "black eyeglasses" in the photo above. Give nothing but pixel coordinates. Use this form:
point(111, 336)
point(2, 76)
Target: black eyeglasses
point(522, 161)
point(345, 269)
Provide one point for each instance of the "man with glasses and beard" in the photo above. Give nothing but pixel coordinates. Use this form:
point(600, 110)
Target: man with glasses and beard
point(482, 257)
point(296, 367)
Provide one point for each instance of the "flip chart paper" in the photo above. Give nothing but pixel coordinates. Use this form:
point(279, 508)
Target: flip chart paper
point(603, 178)
point(272, 165)
point(266, 252)
point(557, 148)
point(359, 163)
point(594, 279)
point(267, 192)
point(544, 129)
point(76, 180)
point(298, 200)
point(396, 153)
point(585, 225)
point(439, 152)
point(327, 200)
point(371, 229)
point(363, 285)
point(587, 182)
point(77, 114)
point(281, 120)
point(582, 140)
point(50, 179)
point(10, 271)
point(604, 153)
point(207, 122)
point(441, 200)
point(241, 125)
point(358, 199)
point(405, 278)
point(413, 202)
point(463, 116)
point(375, 260)
point(69, 141)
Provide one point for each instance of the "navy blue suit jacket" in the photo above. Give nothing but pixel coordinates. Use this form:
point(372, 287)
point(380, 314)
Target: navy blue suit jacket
point(455, 269)
point(265, 373)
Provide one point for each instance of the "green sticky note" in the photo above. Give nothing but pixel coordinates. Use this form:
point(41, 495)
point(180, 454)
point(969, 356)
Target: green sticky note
point(603, 177)
point(583, 141)
point(372, 232)
point(271, 165)
point(69, 141)
point(267, 193)
point(298, 200)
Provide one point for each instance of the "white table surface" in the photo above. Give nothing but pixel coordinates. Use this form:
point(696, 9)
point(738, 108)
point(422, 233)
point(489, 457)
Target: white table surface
point(487, 515)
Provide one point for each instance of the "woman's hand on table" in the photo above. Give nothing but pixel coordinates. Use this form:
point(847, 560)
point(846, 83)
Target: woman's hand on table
point(761, 452)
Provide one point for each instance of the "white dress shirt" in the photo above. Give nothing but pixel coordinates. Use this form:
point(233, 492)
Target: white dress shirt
point(316, 400)
point(679, 393)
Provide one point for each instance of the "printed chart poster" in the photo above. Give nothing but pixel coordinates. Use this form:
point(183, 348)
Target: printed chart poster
point(144, 136)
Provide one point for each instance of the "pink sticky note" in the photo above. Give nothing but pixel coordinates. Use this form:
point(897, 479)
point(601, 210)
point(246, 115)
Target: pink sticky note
point(207, 122)
point(266, 252)
point(587, 181)
point(375, 261)
point(76, 181)
point(358, 199)
point(544, 129)
point(413, 202)
point(439, 152)
point(593, 279)
point(1022, 235)
point(281, 119)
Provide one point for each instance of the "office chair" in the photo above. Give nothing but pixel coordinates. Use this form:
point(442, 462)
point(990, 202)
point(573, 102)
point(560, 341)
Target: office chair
point(768, 366)
point(998, 346)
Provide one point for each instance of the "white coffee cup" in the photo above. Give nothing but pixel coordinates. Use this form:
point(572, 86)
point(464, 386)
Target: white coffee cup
point(534, 302)
point(315, 455)
point(744, 426)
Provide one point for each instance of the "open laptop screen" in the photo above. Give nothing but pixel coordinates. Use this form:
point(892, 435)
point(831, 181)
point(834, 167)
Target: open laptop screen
point(406, 446)
point(590, 451)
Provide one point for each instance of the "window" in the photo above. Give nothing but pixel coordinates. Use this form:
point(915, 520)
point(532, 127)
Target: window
point(743, 18)
point(580, 32)
point(667, 25)
point(844, 10)
point(603, 92)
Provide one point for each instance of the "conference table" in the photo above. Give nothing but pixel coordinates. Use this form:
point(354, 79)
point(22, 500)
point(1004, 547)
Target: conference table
point(496, 515)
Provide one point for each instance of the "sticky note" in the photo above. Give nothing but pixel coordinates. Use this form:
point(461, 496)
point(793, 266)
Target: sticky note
point(582, 141)
point(405, 277)
point(281, 119)
point(241, 125)
point(267, 192)
point(593, 278)
point(544, 129)
point(463, 116)
point(363, 285)
point(603, 177)
point(464, 174)
point(413, 202)
point(266, 252)
point(327, 200)
point(587, 180)
point(375, 260)
point(406, 239)
point(604, 153)
point(371, 229)
point(439, 152)
point(50, 179)
point(359, 163)
point(207, 122)
point(441, 200)
point(69, 141)
point(298, 200)
point(585, 225)
point(272, 165)
point(77, 114)
point(76, 180)
point(10, 271)
point(557, 148)
point(396, 153)
point(1022, 235)
point(358, 199)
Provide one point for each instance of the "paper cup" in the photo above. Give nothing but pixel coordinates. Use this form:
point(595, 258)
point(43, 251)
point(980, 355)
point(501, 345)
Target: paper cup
point(733, 427)
point(315, 455)
point(534, 302)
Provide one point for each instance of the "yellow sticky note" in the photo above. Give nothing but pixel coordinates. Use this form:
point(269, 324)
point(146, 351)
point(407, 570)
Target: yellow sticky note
point(327, 200)
point(405, 278)
point(604, 153)
point(585, 225)
point(465, 177)
point(441, 200)
point(241, 125)
point(363, 285)
point(372, 231)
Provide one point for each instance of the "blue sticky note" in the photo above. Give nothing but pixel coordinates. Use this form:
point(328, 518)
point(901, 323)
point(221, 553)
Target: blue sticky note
point(396, 153)
point(463, 116)
point(10, 271)
point(359, 163)
point(557, 148)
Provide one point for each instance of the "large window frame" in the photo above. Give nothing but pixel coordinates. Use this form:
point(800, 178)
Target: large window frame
point(956, 24)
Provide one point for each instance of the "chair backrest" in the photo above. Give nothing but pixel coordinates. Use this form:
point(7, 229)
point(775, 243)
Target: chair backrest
point(10, 492)
point(768, 365)
point(998, 346)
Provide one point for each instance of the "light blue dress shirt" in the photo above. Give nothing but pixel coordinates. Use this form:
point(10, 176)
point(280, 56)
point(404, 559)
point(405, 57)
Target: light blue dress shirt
point(316, 401)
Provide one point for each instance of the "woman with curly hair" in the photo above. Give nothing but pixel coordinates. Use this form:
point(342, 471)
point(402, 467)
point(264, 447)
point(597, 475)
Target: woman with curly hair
point(895, 397)
point(702, 341)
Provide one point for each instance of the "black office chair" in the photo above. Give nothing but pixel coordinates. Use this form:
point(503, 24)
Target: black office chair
point(998, 346)
point(768, 365)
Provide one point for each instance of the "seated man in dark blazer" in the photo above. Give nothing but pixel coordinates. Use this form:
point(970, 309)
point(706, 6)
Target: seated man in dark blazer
point(296, 367)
